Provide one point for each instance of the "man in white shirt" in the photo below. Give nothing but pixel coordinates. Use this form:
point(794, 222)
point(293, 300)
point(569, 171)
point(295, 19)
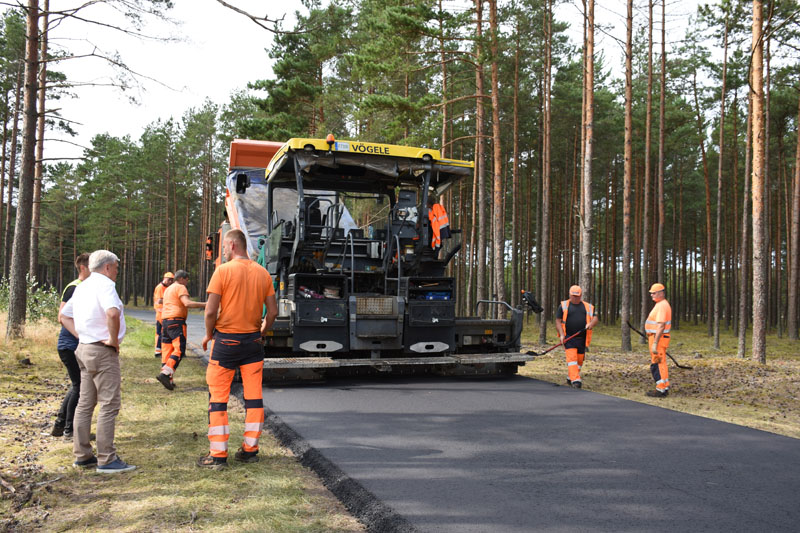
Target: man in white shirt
point(95, 315)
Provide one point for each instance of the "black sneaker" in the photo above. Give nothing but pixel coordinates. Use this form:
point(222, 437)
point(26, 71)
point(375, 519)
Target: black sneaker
point(569, 382)
point(86, 463)
point(214, 463)
point(68, 434)
point(577, 384)
point(164, 380)
point(246, 457)
point(657, 393)
point(158, 355)
point(58, 430)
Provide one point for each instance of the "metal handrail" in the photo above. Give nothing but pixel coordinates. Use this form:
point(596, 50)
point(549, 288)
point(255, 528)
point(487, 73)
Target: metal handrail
point(342, 257)
point(399, 267)
point(496, 302)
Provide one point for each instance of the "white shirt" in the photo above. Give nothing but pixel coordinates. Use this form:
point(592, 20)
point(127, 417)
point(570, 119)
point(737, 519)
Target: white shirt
point(88, 306)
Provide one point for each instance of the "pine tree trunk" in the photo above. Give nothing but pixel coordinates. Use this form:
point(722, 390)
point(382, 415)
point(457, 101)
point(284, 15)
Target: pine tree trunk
point(497, 200)
point(758, 136)
point(6, 106)
point(627, 179)
point(37, 189)
point(587, 227)
point(12, 169)
point(515, 186)
point(794, 262)
point(17, 298)
point(661, 139)
point(543, 246)
point(717, 250)
point(647, 146)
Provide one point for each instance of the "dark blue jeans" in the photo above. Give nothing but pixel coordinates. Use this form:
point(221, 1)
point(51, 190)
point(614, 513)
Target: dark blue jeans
point(67, 411)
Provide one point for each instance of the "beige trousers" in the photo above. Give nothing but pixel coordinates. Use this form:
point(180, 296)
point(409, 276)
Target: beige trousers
point(100, 384)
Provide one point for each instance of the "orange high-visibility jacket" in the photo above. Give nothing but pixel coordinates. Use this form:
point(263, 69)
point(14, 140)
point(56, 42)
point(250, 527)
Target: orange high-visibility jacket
point(158, 294)
point(589, 315)
point(440, 225)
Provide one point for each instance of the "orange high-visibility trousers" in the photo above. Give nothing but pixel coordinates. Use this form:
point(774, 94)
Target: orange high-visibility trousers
point(574, 364)
point(173, 344)
point(658, 362)
point(219, 381)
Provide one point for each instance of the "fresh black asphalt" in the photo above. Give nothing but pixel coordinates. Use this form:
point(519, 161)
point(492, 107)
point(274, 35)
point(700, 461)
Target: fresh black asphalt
point(497, 455)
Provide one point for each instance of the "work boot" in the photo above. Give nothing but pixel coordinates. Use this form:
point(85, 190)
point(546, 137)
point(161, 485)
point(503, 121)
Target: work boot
point(214, 463)
point(164, 380)
point(577, 384)
point(246, 457)
point(569, 382)
point(158, 355)
point(58, 429)
point(68, 434)
point(657, 393)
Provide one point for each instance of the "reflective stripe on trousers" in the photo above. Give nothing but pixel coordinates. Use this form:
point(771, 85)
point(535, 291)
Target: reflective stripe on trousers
point(658, 363)
point(219, 381)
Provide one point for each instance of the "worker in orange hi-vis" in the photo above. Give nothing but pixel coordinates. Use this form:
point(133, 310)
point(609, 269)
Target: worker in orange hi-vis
point(440, 223)
point(575, 317)
point(657, 327)
point(237, 294)
point(173, 329)
point(158, 303)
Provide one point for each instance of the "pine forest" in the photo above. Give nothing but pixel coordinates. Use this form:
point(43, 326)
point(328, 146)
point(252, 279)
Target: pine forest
point(677, 161)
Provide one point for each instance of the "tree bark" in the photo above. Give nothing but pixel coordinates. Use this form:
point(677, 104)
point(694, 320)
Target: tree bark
point(795, 242)
point(587, 222)
point(479, 168)
point(647, 143)
point(17, 299)
point(12, 169)
point(661, 140)
point(717, 250)
point(37, 180)
point(758, 134)
point(498, 233)
point(628, 175)
point(542, 248)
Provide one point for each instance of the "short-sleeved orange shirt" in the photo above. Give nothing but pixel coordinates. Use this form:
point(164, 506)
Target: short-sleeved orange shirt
point(173, 306)
point(662, 312)
point(158, 293)
point(243, 286)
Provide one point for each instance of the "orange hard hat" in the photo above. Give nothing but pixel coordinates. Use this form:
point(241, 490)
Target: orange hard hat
point(656, 287)
point(169, 275)
point(575, 290)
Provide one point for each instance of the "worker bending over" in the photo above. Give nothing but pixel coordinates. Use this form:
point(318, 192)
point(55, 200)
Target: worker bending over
point(238, 291)
point(173, 328)
point(574, 316)
point(158, 304)
point(657, 327)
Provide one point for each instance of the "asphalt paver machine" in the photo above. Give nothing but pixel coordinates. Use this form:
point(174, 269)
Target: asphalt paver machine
point(343, 228)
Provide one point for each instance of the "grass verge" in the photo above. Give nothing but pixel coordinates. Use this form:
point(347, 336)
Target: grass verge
point(720, 385)
point(162, 432)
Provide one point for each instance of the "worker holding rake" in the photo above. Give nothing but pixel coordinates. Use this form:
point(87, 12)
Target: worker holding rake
point(574, 322)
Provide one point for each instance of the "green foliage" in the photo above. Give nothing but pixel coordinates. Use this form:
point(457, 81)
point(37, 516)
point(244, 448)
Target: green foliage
point(42, 301)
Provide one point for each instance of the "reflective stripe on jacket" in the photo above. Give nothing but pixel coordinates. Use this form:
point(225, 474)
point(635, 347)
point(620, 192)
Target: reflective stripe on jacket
point(440, 225)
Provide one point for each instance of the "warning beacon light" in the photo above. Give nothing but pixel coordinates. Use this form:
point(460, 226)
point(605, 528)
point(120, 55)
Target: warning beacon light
point(330, 140)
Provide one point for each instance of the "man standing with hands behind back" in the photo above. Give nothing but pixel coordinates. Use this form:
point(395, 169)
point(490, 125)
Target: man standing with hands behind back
point(238, 291)
point(95, 315)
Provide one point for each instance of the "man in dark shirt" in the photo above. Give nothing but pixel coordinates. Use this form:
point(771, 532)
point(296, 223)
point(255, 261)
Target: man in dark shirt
point(67, 344)
point(573, 316)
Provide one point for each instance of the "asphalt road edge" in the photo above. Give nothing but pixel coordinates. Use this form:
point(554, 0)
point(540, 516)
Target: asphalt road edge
point(376, 516)
point(365, 506)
